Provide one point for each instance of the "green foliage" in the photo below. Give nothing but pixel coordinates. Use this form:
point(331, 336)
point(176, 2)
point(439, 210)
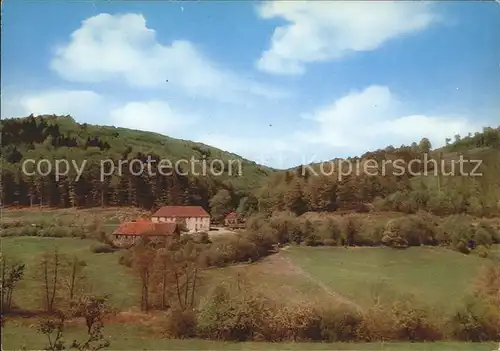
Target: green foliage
point(57, 137)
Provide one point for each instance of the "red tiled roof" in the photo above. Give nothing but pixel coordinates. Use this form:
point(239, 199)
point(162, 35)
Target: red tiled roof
point(181, 211)
point(232, 215)
point(145, 227)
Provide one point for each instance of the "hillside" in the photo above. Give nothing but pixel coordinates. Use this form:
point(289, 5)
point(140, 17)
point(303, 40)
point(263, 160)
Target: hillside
point(413, 186)
point(61, 137)
point(315, 187)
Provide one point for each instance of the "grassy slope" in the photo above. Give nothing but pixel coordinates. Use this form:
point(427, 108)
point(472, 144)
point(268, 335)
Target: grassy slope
point(103, 270)
point(353, 273)
point(433, 275)
point(166, 147)
point(436, 276)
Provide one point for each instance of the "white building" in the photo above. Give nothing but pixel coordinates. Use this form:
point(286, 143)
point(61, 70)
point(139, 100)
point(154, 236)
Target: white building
point(194, 218)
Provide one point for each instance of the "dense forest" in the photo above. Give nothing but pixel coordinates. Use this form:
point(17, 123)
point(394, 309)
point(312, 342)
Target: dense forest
point(436, 184)
point(60, 137)
point(258, 188)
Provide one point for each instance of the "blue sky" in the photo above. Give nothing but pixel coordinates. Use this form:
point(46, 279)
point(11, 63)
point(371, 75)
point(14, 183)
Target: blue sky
point(281, 83)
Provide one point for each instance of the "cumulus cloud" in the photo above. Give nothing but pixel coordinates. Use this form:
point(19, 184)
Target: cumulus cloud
point(320, 31)
point(360, 121)
point(274, 152)
point(154, 116)
point(374, 118)
point(122, 48)
point(85, 105)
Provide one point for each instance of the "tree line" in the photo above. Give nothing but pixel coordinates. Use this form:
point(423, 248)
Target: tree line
point(297, 190)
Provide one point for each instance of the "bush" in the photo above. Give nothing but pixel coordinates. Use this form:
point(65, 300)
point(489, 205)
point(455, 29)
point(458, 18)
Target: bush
point(490, 234)
point(180, 324)
point(126, 258)
point(203, 238)
point(340, 325)
point(372, 234)
point(457, 231)
point(351, 228)
point(329, 242)
point(377, 324)
point(330, 232)
point(394, 236)
point(476, 321)
point(482, 251)
point(224, 318)
point(414, 324)
point(102, 248)
point(462, 247)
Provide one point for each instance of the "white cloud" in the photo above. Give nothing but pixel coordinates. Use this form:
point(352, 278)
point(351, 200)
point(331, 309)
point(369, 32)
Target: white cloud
point(155, 116)
point(351, 125)
point(122, 48)
point(59, 102)
point(360, 121)
point(374, 118)
point(88, 106)
point(320, 31)
point(275, 152)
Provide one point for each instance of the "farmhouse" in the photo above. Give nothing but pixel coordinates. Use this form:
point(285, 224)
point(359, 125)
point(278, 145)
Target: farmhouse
point(128, 233)
point(194, 218)
point(231, 219)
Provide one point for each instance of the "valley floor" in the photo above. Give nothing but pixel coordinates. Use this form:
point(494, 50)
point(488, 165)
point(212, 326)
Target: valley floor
point(327, 275)
point(134, 337)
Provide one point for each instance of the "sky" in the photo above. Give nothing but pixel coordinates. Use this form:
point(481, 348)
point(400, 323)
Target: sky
point(281, 83)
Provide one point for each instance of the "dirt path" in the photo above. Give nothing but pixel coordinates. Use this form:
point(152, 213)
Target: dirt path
point(340, 298)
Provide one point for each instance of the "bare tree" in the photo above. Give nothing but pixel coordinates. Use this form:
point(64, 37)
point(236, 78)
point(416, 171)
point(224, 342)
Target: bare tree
point(10, 276)
point(185, 267)
point(53, 328)
point(74, 278)
point(142, 261)
point(163, 276)
point(50, 272)
point(92, 309)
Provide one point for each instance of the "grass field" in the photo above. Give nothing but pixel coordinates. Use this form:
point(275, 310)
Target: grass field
point(104, 272)
point(437, 276)
point(136, 337)
point(323, 274)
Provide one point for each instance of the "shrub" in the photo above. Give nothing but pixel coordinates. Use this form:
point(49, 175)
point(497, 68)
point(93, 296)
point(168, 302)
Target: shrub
point(340, 325)
point(222, 318)
point(126, 258)
point(462, 247)
point(329, 242)
point(372, 234)
point(394, 236)
point(297, 323)
point(180, 324)
point(476, 321)
point(102, 248)
point(351, 228)
point(377, 324)
point(458, 232)
point(414, 324)
point(330, 232)
point(482, 251)
point(491, 234)
point(203, 238)
point(482, 237)
point(245, 247)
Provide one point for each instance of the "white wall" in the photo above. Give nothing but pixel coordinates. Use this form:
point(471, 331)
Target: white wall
point(193, 224)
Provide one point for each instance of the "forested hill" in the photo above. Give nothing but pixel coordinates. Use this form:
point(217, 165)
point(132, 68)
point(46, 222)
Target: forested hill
point(60, 137)
point(442, 191)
